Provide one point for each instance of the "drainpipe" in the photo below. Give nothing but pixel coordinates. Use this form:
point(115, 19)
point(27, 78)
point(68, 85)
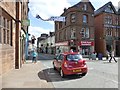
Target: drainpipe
point(17, 58)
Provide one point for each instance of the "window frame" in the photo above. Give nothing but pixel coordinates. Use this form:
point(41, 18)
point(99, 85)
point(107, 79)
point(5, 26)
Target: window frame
point(73, 18)
point(85, 18)
point(5, 30)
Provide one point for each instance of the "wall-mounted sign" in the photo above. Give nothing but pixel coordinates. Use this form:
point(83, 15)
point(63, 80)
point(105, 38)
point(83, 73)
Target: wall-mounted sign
point(62, 43)
point(26, 22)
point(86, 43)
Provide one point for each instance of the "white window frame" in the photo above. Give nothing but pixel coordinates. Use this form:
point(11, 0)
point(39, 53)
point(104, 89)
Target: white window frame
point(87, 33)
point(73, 33)
point(84, 18)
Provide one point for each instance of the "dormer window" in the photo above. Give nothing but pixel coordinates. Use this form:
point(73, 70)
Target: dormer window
point(109, 9)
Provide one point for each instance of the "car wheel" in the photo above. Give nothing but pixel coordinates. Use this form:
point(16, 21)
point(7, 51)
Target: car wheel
point(83, 74)
point(54, 67)
point(61, 73)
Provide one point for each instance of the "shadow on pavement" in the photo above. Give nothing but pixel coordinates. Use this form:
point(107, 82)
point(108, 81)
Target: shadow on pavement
point(51, 75)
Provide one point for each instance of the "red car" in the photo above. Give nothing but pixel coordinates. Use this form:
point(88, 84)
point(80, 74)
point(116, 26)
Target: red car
point(69, 63)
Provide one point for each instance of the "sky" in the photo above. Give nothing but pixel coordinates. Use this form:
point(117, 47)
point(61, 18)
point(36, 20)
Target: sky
point(48, 8)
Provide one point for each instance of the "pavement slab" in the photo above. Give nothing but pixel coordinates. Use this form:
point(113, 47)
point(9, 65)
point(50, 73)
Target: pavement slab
point(25, 77)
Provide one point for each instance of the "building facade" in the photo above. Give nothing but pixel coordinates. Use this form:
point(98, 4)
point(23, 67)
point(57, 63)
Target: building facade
point(107, 29)
point(77, 32)
point(46, 44)
point(7, 36)
point(10, 31)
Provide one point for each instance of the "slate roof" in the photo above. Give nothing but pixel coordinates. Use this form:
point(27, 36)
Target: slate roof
point(78, 4)
point(102, 9)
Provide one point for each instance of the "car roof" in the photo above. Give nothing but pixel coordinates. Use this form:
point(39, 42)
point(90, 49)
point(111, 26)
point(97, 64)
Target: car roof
point(66, 53)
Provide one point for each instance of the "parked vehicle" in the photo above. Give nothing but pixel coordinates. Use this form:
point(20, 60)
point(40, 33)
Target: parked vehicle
point(69, 63)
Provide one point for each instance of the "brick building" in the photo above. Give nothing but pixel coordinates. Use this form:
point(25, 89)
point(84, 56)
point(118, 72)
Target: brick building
point(10, 34)
point(77, 32)
point(107, 29)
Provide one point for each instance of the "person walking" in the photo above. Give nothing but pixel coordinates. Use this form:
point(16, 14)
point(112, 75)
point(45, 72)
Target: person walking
point(34, 55)
point(112, 56)
point(107, 55)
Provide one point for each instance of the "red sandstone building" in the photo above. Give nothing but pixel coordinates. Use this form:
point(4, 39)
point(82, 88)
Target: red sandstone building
point(107, 29)
point(77, 32)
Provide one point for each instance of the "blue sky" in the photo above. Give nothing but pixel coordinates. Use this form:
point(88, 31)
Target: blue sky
point(48, 8)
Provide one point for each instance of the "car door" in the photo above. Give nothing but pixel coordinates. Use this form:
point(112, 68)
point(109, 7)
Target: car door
point(56, 62)
point(60, 60)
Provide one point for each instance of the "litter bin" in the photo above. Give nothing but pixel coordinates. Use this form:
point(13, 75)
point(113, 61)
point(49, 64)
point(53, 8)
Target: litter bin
point(100, 56)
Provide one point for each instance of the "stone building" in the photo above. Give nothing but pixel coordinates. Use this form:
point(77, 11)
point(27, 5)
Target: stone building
point(77, 32)
point(107, 29)
point(11, 15)
point(46, 43)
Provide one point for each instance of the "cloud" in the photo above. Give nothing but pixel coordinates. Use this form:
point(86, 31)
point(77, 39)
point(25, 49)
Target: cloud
point(37, 31)
point(47, 8)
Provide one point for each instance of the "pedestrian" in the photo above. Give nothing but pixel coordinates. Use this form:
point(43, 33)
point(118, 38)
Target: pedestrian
point(71, 50)
point(94, 55)
point(90, 55)
point(34, 55)
point(107, 55)
point(112, 56)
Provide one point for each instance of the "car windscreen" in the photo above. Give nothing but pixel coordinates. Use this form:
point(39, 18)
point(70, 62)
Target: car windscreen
point(74, 57)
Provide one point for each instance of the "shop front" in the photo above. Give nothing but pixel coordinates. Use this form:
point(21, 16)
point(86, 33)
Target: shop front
point(86, 47)
point(62, 47)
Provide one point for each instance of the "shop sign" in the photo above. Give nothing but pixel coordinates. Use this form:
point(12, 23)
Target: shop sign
point(62, 44)
point(26, 22)
point(86, 43)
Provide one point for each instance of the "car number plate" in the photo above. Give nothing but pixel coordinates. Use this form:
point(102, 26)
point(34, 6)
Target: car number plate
point(78, 70)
